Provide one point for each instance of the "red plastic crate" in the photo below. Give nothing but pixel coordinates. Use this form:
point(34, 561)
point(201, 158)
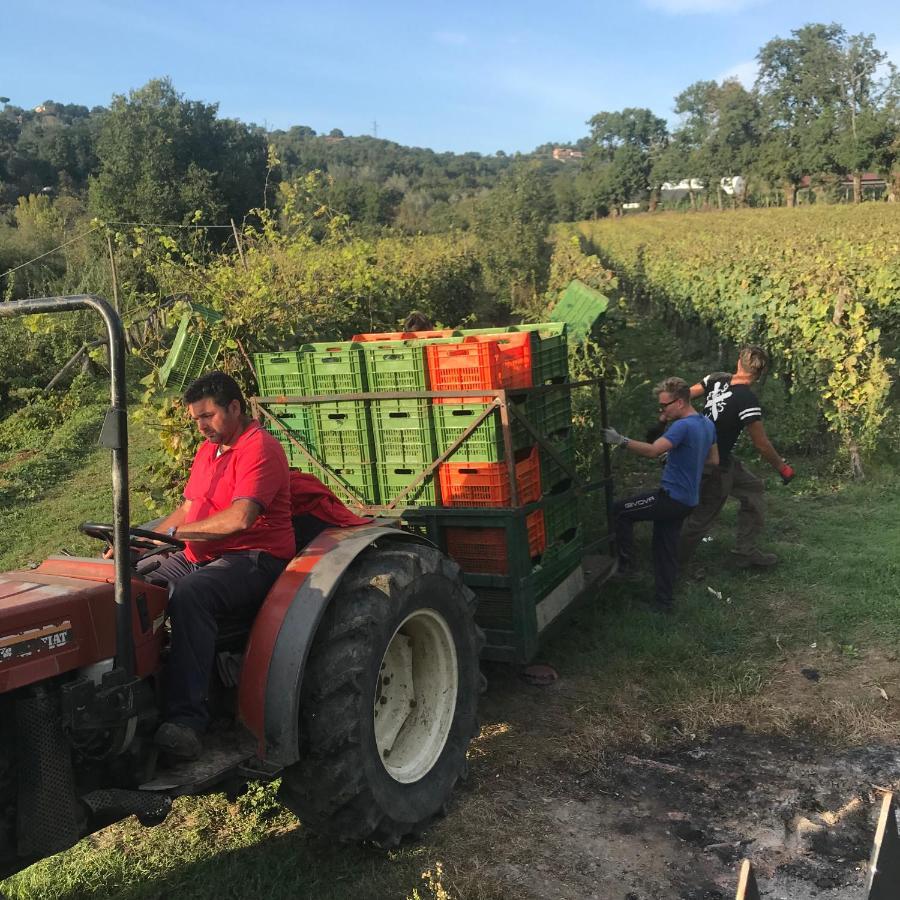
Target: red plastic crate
point(480, 361)
point(403, 335)
point(474, 484)
point(485, 550)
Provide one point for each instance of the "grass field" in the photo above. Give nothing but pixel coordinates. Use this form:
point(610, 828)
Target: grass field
point(630, 683)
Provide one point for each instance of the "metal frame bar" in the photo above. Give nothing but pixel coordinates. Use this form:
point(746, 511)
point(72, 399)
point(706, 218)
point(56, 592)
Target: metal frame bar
point(114, 436)
point(500, 397)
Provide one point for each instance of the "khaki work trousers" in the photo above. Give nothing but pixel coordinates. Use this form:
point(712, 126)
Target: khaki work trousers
point(718, 484)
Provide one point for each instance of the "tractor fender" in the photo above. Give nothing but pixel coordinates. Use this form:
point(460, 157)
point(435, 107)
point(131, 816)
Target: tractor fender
point(284, 630)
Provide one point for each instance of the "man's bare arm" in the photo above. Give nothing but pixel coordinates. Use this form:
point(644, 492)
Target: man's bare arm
point(697, 391)
point(712, 458)
point(761, 441)
point(236, 518)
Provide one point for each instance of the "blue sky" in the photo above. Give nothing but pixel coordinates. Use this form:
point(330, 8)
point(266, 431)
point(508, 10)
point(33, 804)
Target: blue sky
point(481, 76)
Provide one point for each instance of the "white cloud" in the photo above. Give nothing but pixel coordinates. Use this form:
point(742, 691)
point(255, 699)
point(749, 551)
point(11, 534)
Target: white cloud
point(451, 38)
point(699, 7)
point(745, 72)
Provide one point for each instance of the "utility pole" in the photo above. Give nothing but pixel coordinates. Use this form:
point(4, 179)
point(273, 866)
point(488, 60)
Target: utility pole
point(374, 127)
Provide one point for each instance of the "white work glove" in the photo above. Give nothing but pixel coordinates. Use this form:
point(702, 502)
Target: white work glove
point(611, 436)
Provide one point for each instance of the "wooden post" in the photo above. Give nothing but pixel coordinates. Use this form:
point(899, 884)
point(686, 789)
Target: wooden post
point(883, 882)
point(747, 888)
point(115, 274)
point(240, 246)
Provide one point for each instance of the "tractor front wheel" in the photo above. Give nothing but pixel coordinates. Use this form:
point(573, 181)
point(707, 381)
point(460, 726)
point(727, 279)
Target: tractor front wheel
point(389, 696)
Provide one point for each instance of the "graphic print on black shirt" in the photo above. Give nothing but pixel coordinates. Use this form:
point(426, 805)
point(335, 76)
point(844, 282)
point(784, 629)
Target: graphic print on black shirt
point(731, 407)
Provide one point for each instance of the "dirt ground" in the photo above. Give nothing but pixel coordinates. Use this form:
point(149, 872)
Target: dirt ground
point(643, 823)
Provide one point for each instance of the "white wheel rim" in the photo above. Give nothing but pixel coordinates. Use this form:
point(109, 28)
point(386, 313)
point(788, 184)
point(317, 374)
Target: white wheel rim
point(415, 697)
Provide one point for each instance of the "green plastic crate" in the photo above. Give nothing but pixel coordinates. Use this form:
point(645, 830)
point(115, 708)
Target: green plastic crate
point(280, 374)
point(561, 519)
point(553, 477)
point(334, 367)
point(557, 563)
point(485, 443)
point(396, 366)
point(300, 420)
point(393, 477)
point(580, 307)
point(344, 433)
point(550, 355)
point(551, 411)
point(362, 479)
point(194, 350)
point(403, 430)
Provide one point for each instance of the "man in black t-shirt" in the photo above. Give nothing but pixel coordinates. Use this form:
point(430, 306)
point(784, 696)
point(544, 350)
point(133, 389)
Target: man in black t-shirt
point(732, 406)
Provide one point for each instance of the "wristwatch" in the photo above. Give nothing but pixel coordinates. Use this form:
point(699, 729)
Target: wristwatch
point(170, 532)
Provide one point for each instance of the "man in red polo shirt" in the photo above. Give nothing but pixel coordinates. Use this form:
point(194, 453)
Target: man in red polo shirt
point(236, 523)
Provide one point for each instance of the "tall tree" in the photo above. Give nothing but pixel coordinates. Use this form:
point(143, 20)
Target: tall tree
point(162, 157)
point(798, 86)
point(620, 158)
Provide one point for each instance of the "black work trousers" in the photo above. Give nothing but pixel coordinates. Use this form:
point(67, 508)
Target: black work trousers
point(232, 586)
point(667, 516)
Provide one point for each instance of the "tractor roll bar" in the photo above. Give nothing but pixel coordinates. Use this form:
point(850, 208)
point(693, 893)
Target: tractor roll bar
point(114, 435)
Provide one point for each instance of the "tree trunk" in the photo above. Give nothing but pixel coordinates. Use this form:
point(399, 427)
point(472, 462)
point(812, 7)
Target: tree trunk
point(893, 186)
point(654, 200)
point(790, 193)
point(857, 187)
point(719, 196)
point(692, 198)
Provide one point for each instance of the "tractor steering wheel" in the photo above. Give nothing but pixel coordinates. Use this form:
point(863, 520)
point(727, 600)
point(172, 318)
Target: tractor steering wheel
point(138, 538)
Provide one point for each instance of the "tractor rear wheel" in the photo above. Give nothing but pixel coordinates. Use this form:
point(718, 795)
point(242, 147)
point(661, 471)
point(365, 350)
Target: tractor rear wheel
point(389, 697)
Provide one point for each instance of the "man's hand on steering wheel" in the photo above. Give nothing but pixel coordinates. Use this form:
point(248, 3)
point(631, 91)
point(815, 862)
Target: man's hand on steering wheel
point(139, 539)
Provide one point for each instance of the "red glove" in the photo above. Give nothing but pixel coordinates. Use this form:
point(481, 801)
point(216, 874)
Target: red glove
point(786, 473)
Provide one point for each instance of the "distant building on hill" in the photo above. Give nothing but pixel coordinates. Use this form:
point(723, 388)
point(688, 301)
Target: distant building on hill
point(564, 154)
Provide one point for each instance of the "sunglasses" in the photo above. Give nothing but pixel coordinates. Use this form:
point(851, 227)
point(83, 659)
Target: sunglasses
point(662, 406)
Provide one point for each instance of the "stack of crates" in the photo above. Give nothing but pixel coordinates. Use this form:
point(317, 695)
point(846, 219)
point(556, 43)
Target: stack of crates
point(511, 556)
point(403, 428)
point(339, 434)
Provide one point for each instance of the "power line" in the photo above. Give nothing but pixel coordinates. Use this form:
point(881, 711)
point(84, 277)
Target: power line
point(158, 225)
point(77, 237)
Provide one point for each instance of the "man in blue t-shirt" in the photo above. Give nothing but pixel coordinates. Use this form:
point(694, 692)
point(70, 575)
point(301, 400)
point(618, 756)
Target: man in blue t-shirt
point(690, 442)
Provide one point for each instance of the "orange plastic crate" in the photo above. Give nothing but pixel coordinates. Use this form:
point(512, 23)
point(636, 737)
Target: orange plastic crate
point(403, 335)
point(474, 484)
point(480, 361)
point(485, 550)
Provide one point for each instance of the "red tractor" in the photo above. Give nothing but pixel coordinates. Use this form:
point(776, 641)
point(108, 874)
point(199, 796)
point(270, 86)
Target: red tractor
point(356, 684)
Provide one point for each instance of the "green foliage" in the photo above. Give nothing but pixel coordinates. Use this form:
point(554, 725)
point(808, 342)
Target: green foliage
point(162, 157)
point(511, 226)
point(819, 300)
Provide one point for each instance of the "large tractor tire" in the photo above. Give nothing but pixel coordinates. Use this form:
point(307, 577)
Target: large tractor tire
point(389, 697)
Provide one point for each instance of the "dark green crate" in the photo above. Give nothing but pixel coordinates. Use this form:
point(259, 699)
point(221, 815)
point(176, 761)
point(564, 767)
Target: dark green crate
point(394, 477)
point(561, 519)
point(194, 350)
point(335, 367)
point(485, 443)
point(404, 431)
point(551, 411)
point(344, 433)
point(553, 477)
point(300, 421)
point(557, 563)
point(280, 374)
point(396, 366)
